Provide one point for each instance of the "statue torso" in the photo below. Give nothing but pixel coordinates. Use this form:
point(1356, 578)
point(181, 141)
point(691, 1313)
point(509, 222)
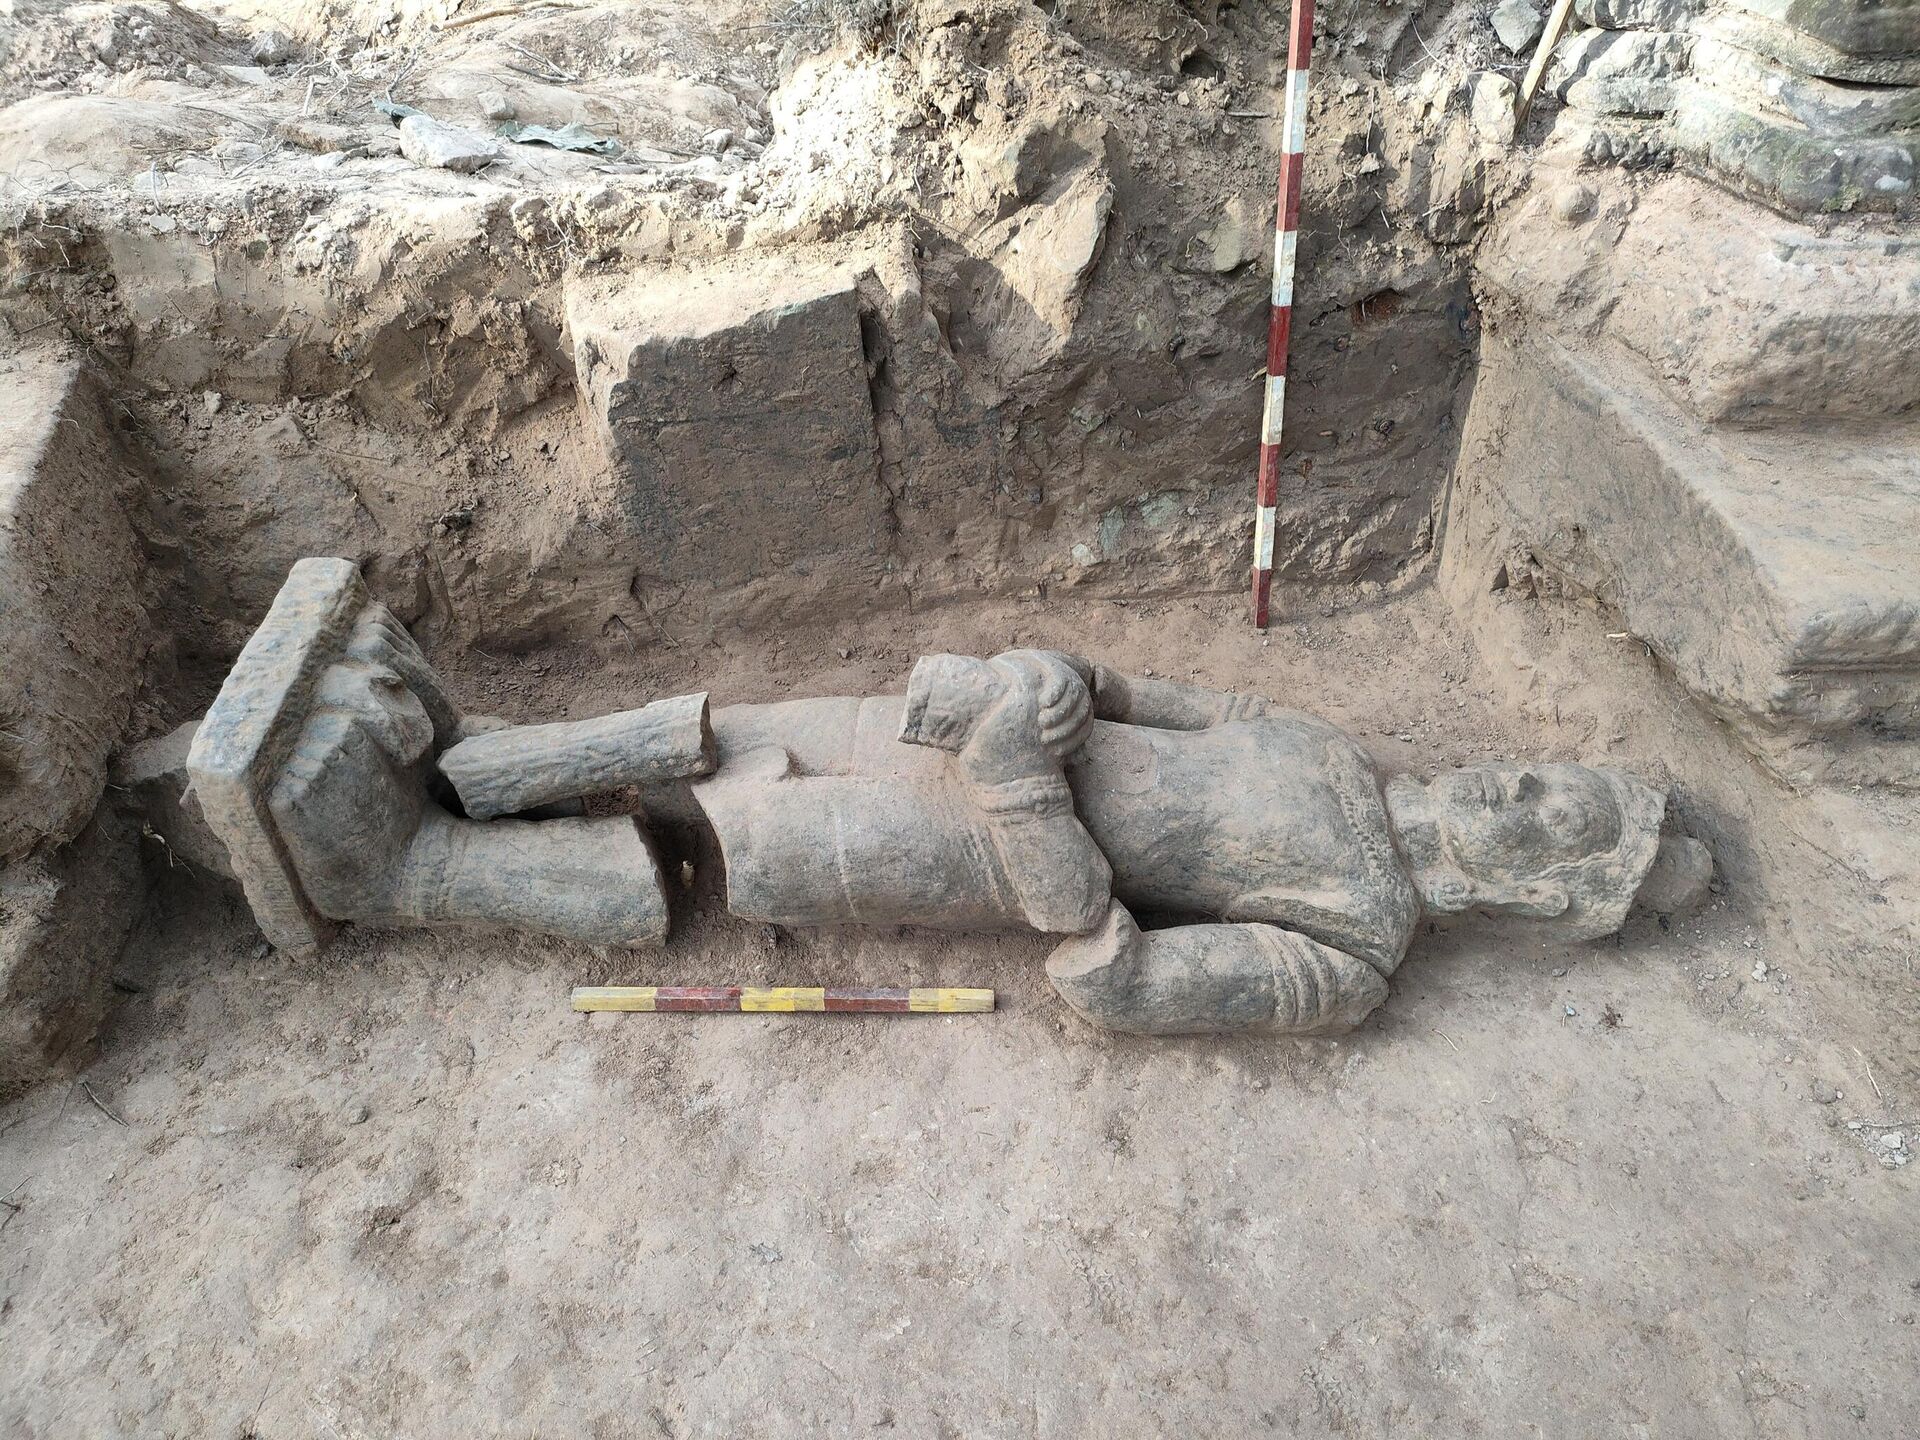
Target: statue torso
point(1276, 819)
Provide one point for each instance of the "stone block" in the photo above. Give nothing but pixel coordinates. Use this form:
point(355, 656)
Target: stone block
point(246, 739)
point(1854, 27)
point(65, 913)
point(1776, 572)
point(1789, 165)
point(1808, 55)
point(73, 633)
point(1748, 316)
point(1774, 89)
point(737, 416)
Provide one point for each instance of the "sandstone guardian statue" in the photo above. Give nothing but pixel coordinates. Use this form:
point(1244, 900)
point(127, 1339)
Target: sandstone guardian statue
point(1209, 861)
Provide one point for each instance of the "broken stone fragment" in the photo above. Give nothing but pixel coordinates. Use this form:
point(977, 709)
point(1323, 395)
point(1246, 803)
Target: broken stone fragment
point(427, 141)
point(271, 47)
point(1624, 72)
point(1517, 23)
point(1679, 880)
point(514, 769)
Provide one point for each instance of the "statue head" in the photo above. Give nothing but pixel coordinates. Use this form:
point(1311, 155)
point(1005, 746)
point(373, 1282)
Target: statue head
point(1568, 843)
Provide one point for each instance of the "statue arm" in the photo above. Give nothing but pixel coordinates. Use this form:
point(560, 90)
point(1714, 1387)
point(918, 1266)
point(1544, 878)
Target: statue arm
point(1166, 704)
point(1009, 723)
point(1208, 979)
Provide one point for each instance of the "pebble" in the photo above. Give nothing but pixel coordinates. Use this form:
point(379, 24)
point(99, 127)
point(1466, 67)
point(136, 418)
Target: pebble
point(1572, 203)
point(1759, 969)
point(717, 142)
point(1825, 1094)
point(1893, 1140)
point(357, 1113)
point(1571, 1012)
point(496, 106)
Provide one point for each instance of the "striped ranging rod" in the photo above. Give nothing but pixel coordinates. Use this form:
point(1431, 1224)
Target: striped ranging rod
point(1280, 324)
point(782, 999)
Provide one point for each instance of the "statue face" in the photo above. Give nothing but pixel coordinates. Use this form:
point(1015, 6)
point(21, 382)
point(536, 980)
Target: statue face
point(1501, 820)
point(1539, 840)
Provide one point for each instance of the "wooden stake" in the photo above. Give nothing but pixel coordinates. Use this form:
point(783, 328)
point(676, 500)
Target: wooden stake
point(1549, 37)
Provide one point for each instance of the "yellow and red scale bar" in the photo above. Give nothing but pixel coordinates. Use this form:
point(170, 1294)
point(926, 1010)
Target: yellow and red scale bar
point(782, 999)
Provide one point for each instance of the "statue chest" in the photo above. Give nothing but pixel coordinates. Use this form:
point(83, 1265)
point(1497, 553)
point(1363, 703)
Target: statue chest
point(1277, 819)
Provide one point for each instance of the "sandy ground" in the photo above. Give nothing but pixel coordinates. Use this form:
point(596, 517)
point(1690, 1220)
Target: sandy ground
point(402, 1191)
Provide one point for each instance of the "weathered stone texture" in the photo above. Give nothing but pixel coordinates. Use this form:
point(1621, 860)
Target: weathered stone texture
point(72, 630)
point(64, 915)
point(1778, 573)
point(737, 417)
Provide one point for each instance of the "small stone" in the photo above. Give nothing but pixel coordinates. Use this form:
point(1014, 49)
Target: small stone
point(427, 141)
point(1572, 203)
point(1571, 1012)
point(270, 47)
point(332, 160)
point(1494, 99)
point(212, 401)
point(717, 142)
point(1825, 1094)
point(1559, 972)
point(358, 1112)
point(1517, 23)
point(496, 106)
point(1892, 1140)
point(1759, 969)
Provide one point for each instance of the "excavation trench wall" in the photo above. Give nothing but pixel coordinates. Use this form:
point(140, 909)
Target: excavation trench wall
point(973, 308)
point(682, 438)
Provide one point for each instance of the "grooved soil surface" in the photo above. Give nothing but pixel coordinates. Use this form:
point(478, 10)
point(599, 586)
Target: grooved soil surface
point(1547, 1190)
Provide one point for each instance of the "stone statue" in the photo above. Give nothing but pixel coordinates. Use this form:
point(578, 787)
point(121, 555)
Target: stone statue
point(1031, 791)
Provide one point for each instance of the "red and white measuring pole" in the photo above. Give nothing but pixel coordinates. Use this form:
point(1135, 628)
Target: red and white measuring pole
point(1293, 144)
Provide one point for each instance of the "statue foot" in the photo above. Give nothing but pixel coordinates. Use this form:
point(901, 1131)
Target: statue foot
point(312, 767)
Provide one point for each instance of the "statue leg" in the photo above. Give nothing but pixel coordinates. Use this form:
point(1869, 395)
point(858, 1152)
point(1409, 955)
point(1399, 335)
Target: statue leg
point(312, 768)
point(1198, 979)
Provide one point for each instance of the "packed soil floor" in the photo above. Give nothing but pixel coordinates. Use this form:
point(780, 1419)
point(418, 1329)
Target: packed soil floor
point(1631, 1189)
